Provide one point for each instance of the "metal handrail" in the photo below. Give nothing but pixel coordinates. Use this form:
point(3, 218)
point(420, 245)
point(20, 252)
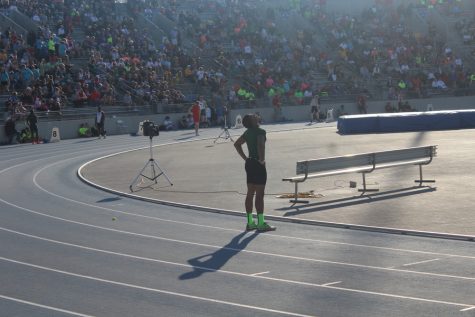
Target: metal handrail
point(17, 27)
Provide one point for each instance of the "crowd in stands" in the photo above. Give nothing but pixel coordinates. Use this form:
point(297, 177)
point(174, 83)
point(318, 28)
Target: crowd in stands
point(36, 70)
point(252, 49)
point(38, 73)
point(253, 58)
point(379, 45)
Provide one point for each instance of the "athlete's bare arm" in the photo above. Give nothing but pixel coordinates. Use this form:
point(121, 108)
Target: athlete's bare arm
point(238, 145)
point(261, 148)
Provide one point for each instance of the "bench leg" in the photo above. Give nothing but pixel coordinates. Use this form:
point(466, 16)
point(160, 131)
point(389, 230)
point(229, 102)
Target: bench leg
point(421, 180)
point(296, 197)
point(365, 189)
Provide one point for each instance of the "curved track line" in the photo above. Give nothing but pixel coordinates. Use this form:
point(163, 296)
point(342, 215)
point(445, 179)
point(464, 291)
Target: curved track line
point(328, 285)
point(234, 249)
point(43, 306)
point(398, 231)
point(160, 291)
point(226, 229)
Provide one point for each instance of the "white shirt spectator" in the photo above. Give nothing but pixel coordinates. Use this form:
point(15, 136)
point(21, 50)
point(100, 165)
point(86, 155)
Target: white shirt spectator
point(439, 84)
point(200, 74)
point(404, 68)
point(208, 113)
point(264, 33)
point(376, 70)
point(202, 104)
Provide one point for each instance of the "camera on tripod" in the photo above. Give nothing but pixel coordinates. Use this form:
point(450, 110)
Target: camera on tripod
point(150, 129)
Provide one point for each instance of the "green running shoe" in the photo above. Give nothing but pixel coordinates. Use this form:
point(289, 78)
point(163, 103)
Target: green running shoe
point(265, 227)
point(250, 227)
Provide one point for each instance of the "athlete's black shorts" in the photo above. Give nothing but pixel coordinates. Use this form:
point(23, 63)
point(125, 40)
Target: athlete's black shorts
point(256, 172)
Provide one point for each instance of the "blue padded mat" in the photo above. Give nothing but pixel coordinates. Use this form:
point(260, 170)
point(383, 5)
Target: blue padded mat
point(407, 121)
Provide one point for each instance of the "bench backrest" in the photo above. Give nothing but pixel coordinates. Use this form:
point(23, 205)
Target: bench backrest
point(365, 159)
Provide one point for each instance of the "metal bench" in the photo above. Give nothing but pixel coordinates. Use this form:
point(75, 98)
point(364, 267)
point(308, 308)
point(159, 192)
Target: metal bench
point(362, 163)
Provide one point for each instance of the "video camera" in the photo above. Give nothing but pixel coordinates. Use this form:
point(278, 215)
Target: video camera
point(150, 129)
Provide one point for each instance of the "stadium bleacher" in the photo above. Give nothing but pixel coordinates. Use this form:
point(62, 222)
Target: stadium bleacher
point(166, 53)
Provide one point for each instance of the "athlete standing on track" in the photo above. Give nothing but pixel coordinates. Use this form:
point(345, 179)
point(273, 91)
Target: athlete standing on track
point(196, 111)
point(255, 138)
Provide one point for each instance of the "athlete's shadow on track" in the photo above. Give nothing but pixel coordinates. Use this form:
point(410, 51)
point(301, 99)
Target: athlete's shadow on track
point(214, 261)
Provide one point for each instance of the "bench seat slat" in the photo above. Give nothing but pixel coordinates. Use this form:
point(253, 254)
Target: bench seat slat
point(343, 162)
point(402, 163)
point(333, 163)
point(330, 173)
point(359, 169)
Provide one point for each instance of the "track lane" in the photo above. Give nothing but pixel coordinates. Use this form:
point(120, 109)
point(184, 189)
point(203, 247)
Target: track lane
point(55, 179)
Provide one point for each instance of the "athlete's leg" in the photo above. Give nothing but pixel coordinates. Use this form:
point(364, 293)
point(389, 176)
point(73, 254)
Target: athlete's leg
point(251, 189)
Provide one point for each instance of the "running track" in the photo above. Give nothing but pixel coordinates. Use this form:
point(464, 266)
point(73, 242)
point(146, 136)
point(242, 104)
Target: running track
point(62, 254)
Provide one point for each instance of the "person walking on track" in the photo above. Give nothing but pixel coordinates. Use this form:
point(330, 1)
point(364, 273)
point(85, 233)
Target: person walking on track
point(100, 120)
point(196, 112)
point(32, 122)
point(255, 167)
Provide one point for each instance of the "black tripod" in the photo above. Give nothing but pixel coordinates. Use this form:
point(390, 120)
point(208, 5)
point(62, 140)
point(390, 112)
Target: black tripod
point(154, 167)
point(225, 133)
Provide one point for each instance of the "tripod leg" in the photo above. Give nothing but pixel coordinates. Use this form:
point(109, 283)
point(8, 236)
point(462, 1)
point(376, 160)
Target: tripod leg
point(161, 173)
point(220, 135)
point(154, 173)
point(137, 177)
point(228, 135)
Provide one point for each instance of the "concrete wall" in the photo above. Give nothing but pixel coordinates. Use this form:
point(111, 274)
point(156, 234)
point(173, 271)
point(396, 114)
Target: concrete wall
point(349, 7)
point(68, 129)
point(356, 6)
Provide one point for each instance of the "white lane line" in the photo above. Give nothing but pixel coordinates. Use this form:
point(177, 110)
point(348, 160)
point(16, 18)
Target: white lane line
point(36, 160)
point(228, 229)
point(232, 303)
point(260, 273)
point(332, 283)
point(468, 308)
point(234, 249)
point(155, 290)
point(43, 306)
point(420, 262)
point(328, 285)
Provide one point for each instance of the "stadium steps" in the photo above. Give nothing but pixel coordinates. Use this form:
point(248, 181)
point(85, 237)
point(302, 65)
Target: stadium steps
point(3, 107)
point(23, 20)
point(78, 35)
point(80, 62)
